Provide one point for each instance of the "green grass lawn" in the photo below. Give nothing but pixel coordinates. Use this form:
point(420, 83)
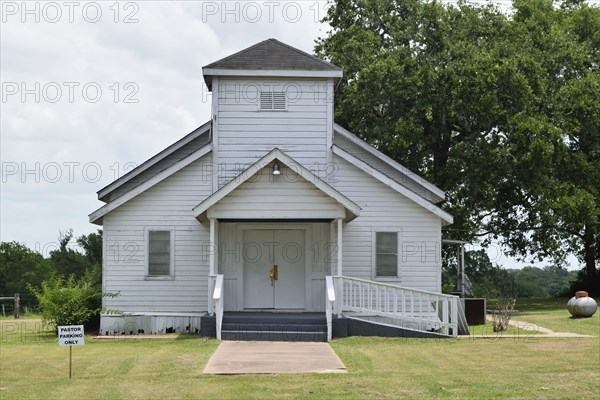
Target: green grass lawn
point(548, 313)
point(33, 366)
point(487, 330)
point(28, 315)
point(553, 314)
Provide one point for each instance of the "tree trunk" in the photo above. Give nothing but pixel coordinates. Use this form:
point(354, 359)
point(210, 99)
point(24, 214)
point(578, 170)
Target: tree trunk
point(440, 149)
point(439, 145)
point(589, 257)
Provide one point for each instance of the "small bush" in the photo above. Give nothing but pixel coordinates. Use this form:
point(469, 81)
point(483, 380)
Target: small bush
point(502, 312)
point(68, 301)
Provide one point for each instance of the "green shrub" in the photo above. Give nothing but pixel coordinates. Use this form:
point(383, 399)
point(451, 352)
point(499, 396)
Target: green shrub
point(68, 301)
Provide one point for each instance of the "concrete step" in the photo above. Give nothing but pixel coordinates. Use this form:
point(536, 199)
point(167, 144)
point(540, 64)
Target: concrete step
point(274, 336)
point(271, 326)
point(285, 327)
point(275, 318)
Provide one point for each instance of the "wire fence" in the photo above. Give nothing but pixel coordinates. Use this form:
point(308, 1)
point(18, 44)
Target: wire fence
point(11, 306)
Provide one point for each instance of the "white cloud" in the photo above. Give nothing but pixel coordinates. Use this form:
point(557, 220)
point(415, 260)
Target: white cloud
point(52, 151)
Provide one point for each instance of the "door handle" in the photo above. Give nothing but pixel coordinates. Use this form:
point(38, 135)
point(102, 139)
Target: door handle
point(273, 274)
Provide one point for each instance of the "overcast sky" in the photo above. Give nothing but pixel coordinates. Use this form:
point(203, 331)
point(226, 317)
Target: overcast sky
point(92, 89)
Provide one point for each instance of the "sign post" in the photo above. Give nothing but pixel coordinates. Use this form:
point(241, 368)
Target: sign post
point(70, 335)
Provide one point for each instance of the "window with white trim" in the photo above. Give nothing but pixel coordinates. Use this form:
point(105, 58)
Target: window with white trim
point(272, 101)
point(160, 252)
point(386, 254)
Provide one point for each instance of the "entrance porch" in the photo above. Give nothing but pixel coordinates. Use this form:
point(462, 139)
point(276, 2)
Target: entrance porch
point(354, 307)
point(275, 232)
point(275, 265)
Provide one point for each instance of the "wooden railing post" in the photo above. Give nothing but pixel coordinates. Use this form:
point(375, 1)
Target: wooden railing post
point(211, 288)
point(445, 304)
point(17, 312)
point(218, 298)
point(454, 315)
point(330, 301)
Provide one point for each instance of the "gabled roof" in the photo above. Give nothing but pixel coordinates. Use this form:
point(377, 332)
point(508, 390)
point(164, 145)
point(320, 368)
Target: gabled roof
point(357, 147)
point(270, 58)
point(271, 54)
point(400, 188)
point(198, 138)
point(96, 216)
point(352, 209)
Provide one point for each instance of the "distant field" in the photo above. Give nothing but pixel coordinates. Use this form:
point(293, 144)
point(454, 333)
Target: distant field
point(525, 367)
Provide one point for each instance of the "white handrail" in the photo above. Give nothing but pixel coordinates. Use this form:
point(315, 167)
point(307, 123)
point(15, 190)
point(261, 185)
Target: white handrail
point(396, 286)
point(415, 308)
point(218, 301)
point(211, 289)
point(329, 305)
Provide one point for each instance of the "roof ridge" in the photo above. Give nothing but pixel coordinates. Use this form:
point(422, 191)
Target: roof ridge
point(279, 43)
point(280, 155)
point(237, 53)
point(302, 52)
point(415, 177)
point(156, 158)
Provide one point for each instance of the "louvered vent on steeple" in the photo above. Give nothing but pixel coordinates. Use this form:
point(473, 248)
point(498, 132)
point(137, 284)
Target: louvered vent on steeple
point(272, 101)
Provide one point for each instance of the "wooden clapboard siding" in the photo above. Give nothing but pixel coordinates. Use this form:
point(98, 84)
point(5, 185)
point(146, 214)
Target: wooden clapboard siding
point(276, 197)
point(244, 134)
point(319, 264)
point(381, 166)
point(168, 204)
point(171, 159)
point(383, 207)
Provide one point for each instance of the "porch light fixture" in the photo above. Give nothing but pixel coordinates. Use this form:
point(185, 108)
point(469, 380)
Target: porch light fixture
point(276, 170)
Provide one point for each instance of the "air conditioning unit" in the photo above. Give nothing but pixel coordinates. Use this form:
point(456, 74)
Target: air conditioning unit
point(475, 310)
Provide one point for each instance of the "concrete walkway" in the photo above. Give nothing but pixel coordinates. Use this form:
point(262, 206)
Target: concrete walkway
point(528, 326)
point(232, 358)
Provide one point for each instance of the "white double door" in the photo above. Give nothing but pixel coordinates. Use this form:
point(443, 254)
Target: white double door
point(274, 269)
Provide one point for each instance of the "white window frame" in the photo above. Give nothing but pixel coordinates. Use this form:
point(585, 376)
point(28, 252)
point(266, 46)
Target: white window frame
point(260, 92)
point(171, 231)
point(398, 233)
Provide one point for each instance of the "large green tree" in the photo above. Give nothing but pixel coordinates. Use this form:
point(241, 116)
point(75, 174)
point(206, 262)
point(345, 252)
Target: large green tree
point(19, 267)
point(92, 246)
point(430, 86)
point(550, 206)
point(500, 110)
point(70, 261)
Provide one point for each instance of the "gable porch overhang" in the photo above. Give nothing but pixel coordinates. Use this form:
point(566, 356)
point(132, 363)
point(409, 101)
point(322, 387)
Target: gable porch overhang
point(257, 194)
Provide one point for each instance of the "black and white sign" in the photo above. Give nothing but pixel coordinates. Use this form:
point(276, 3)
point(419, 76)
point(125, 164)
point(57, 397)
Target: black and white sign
point(70, 335)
